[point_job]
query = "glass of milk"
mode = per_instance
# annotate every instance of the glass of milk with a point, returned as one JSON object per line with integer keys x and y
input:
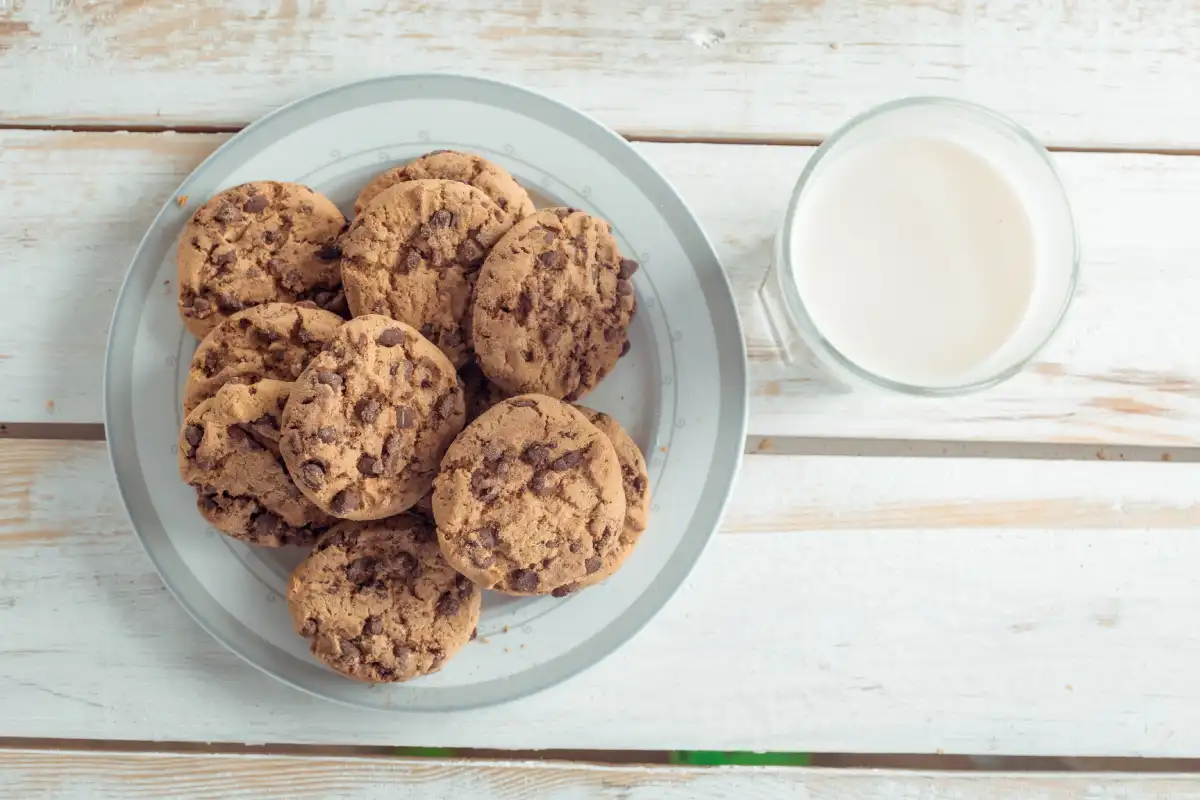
{"x": 928, "y": 248}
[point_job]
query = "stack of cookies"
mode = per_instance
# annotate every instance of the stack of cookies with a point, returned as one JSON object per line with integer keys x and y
{"x": 427, "y": 447}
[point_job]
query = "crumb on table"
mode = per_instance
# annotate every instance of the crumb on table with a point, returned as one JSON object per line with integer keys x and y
{"x": 181, "y": 200}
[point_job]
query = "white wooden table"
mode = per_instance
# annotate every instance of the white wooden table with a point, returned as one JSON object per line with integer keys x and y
{"x": 1013, "y": 572}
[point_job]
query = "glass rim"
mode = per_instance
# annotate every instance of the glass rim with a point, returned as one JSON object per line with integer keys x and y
{"x": 796, "y": 308}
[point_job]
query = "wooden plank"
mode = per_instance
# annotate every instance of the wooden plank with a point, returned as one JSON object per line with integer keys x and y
{"x": 849, "y": 605}
{"x": 1123, "y": 371}
{"x": 36, "y": 774}
{"x": 1096, "y": 73}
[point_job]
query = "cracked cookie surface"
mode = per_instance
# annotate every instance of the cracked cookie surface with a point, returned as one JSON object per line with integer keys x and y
{"x": 635, "y": 482}
{"x": 451, "y": 165}
{"x": 529, "y": 499}
{"x": 414, "y": 254}
{"x": 257, "y": 243}
{"x": 377, "y": 601}
{"x": 369, "y": 419}
{"x": 553, "y": 304}
{"x": 274, "y": 340}
{"x": 229, "y": 452}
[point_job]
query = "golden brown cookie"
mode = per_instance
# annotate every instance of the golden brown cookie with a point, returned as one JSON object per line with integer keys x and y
{"x": 260, "y": 242}
{"x": 369, "y": 419}
{"x": 274, "y": 340}
{"x": 451, "y": 165}
{"x": 229, "y": 451}
{"x": 552, "y": 305}
{"x": 377, "y": 602}
{"x": 414, "y": 253}
{"x": 635, "y": 480}
{"x": 529, "y": 499}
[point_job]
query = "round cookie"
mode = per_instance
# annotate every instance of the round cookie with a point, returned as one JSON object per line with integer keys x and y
{"x": 377, "y": 602}
{"x": 451, "y": 165}
{"x": 257, "y": 243}
{"x": 529, "y": 499}
{"x": 552, "y": 305}
{"x": 413, "y": 255}
{"x": 274, "y": 340}
{"x": 229, "y": 451}
{"x": 369, "y": 419}
{"x": 635, "y": 480}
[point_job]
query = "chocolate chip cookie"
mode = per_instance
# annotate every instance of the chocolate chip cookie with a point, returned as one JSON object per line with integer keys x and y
{"x": 451, "y": 165}
{"x": 229, "y": 451}
{"x": 635, "y": 481}
{"x": 274, "y": 340}
{"x": 553, "y": 304}
{"x": 257, "y": 243}
{"x": 413, "y": 255}
{"x": 529, "y": 499}
{"x": 378, "y": 602}
{"x": 369, "y": 419}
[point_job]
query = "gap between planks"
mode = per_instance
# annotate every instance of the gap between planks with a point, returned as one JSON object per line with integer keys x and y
{"x": 840, "y": 761}
{"x": 652, "y": 137}
{"x": 788, "y": 446}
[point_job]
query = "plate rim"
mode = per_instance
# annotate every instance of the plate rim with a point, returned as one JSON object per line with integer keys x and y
{"x": 731, "y": 424}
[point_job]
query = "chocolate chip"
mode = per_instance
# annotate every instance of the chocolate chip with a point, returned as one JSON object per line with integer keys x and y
{"x": 576, "y": 545}
{"x": 483, "y": 487}
{"x": 333, "y": 302}
{"x": 207, "y": 501}
{"x": 488, "y": 535}
{"x": 446, "y": 406}
{"x": 523, "y": 580}
{"x": 624, "y": 287}
{"x": 228, "y": 303}
{"x": 566, "y": 461}
{"x": 392, "y": 447}
{"x": 553, "y": 259}
{"x": 452, "y": 338}
{"x": 469, "y": 252}
{"x": 447, "y": 605}
{"x": 539, "y": 485}
{"x": 625, "y": 347}
{"x": 405, "y": 418}
{"x": 340, "y": 539}
{"x": 475, "y": 631}
{"x": 464, "y": 586}
{"x": 227, "y": 214}
{"x": 440, "y": 218}
{"x": 266, "y": 525}
{"x": 593, "y": 564}
{"x": 402, "y": 654}
{"x": 522, "y": 403}
{"x": 563, "y": 213}
{"x": 367, "y": 410}
{"x": 405, "y": 565}
{"x": 407, "y": 261}
{"x": 369, "y": 465}
{"x": 628, "y": 267}
{"x": 524, "y": 306}
{"x": 362, "y": 570}
{"x": 201, "y": 306}
{"x": 392, "y": 337}
{"x": 551, "y": 336}
{"x": 536, "y": 455}
{"x": 269, "y": 237}
{"x": 639, "y": 484}
{"x": 313, "y": 474}
{"x": 327, "y": 434}
{"x": 226, "y": 258}
{"x": 193, "y": 434}
{"x": 563, "y": 591}
{"x": 309, "y": 628}
{"x": 329, "y": 252}
{"x": 372, "y": 626}
{"x": 481, "y": 558}
{"x": 345, "y": 501}
{"x": 350, "y": 651}
{"x": 255, "y": 204}
{"x": 331, "y": 379}
{"x": 503, "y": 203}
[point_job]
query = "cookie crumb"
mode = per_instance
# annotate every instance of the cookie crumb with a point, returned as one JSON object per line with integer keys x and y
{"x": 663, "y": 449}
{"x": 181, "y": 201}
{"x": 484, "y": 639}
{"x": 506, "y": 629}
{"x": 507, "y": 650}
{"x": 50, "y": 406}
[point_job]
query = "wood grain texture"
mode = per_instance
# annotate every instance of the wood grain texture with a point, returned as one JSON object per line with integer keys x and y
{"x": 849, "y": 605}
{"x": 1103, "y": 72}
{"x": 34, "y": 774}
{"x": 1125, "y": 369}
